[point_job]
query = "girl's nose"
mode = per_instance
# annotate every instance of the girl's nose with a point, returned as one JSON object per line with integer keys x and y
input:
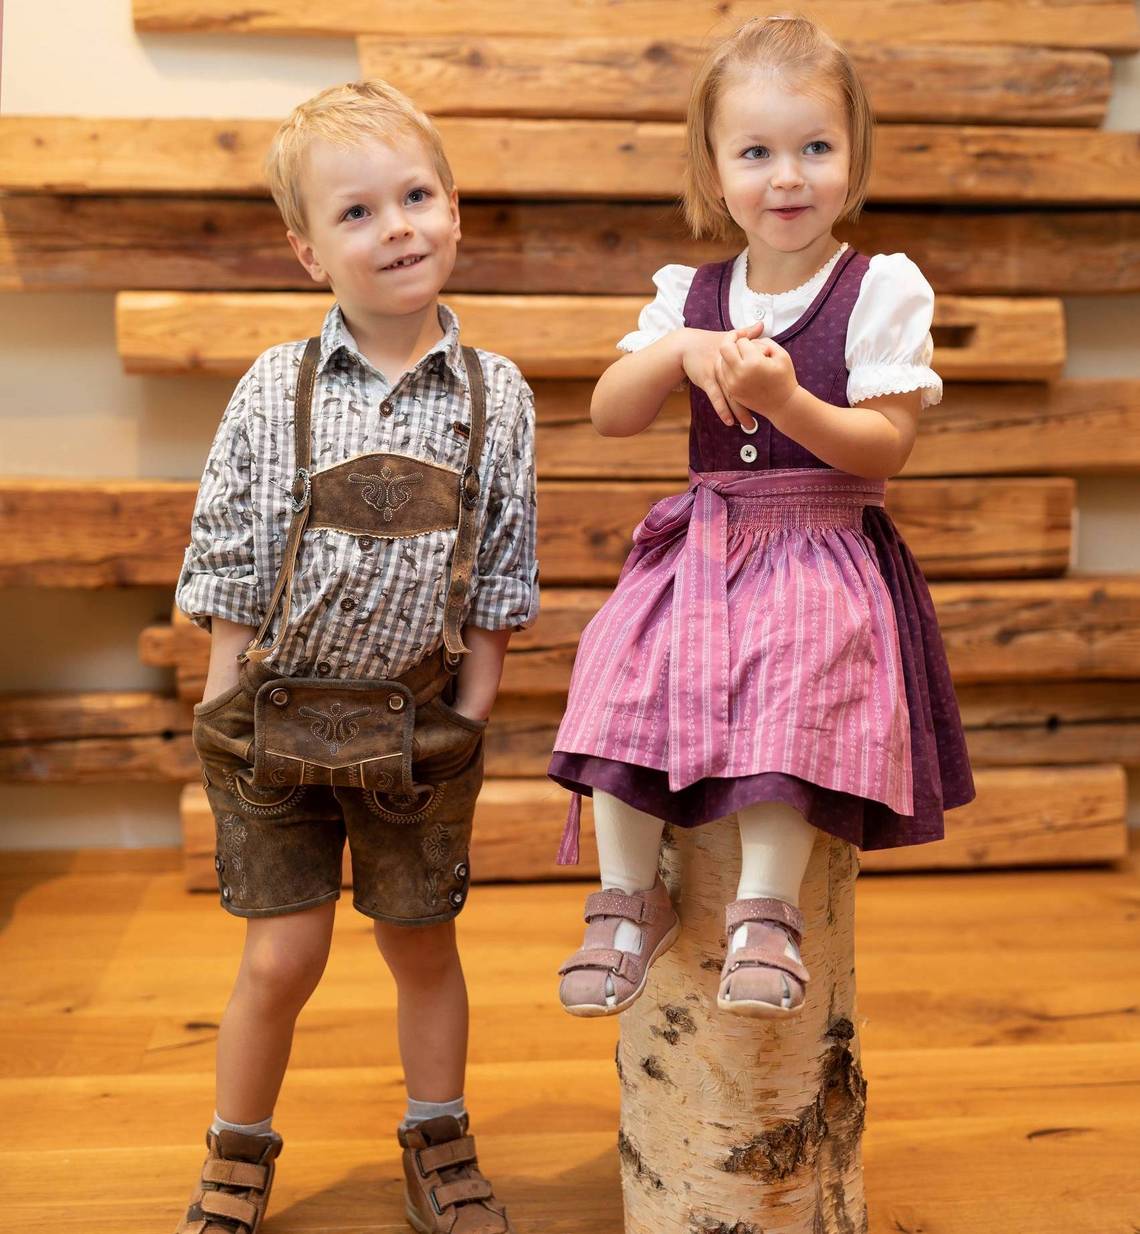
{"x": 787, "y": 174}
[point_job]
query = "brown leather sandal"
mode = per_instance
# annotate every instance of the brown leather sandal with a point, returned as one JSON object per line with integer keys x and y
{"x": 585, "y": 974}
{"x": 233, "y": 1192}
{"x": 444, "y": 1192}
{"x": 760, "y": 979}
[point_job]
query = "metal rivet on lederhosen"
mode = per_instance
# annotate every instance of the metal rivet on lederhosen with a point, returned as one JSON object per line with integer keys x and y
{"x": 279, "y": 698}
{"x": 395, "y": 702}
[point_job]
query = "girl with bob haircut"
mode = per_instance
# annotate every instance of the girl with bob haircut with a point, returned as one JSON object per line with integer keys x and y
{"x": 771, "y": 650}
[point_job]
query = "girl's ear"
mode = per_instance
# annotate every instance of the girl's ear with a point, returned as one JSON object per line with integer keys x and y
{"x": 307, "y": 256}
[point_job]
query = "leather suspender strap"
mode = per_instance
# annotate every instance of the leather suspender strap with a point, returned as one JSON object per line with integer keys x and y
{"x": 463, "y": 558}
{"x": 300, "y": 496}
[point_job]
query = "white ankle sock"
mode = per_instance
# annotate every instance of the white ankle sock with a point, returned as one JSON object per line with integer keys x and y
{"x": 420, "y": 1111}
{"x": 776, "y": 842}
{"x": 262, "y": 1128}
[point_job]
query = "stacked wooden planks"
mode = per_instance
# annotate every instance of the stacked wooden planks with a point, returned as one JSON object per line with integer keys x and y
{"x": 992, "y": 172}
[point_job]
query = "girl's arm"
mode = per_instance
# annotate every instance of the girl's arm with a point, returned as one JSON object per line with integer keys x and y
{"x": 872, "y": 439}
{"x": 631, "y": 392}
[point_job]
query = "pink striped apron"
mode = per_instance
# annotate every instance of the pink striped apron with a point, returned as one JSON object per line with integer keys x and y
{"x": 750, "y": 631}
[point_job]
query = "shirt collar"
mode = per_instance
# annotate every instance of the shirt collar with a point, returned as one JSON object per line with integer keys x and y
{"x": 336, "y": 337}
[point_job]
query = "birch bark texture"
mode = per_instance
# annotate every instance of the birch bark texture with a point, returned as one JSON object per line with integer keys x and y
{"x": 733, "y": 1125}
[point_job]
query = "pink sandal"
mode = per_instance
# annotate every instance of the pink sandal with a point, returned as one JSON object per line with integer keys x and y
{"x": 586, "y": 974}
{"x": 760, "y": 979}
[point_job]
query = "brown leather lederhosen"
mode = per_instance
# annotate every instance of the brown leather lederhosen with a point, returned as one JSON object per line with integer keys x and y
{"x": 415, "y": 762}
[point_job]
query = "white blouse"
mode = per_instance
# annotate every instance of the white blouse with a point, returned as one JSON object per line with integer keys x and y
{"x": 889, "y": 347}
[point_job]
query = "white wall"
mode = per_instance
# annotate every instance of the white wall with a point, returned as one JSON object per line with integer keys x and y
{"x": 73, "y": 57}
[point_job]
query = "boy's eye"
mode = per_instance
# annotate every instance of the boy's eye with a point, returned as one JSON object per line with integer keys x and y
{"x": 416, "y": 196}
{"x": 818, "y": 147}
{"x": 354, "y": 212}
{"x": 755, "y": 152}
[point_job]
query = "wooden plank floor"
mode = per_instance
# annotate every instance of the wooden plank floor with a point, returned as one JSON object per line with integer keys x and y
{"x": 1001, "y": 1041}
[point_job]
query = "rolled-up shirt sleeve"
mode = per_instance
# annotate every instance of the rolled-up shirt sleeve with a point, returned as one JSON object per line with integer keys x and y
{"x": 219, "y": 576}
{"x": 506, "y": 575}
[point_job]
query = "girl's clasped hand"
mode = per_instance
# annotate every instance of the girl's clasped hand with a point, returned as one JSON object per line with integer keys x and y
{"x": 744, "y": 374}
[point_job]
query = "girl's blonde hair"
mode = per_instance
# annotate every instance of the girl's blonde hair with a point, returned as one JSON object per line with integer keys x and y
{"x": 344, "y": 116}
{"x": 796, "y": 50}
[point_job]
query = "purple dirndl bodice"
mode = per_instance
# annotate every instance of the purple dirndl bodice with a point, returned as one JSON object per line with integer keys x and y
{"x": 678, "y": 722}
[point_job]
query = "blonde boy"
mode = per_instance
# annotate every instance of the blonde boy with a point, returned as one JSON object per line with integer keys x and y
{"x": 360, "y": 581}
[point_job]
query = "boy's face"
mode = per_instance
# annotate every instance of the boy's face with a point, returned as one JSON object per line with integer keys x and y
{"x": 381, "y": 229}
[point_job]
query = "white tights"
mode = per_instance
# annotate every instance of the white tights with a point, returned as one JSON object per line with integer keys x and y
{"x": 775, "y": 845}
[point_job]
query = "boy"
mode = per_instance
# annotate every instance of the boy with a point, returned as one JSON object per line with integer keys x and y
{"x": 369, "y": 504}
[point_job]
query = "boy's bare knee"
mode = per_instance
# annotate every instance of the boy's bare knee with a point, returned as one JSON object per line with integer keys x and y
{"x": 284, "y": 959}
{"x": 421, "y": 954}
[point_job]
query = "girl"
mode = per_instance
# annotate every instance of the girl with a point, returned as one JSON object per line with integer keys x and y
{"x": 771, "y": 650}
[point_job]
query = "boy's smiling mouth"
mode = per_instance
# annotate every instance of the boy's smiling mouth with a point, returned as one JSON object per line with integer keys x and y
{"x": 402, "y": 263}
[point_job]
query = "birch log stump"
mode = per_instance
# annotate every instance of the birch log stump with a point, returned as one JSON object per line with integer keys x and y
{"x": 731, "y": 1125}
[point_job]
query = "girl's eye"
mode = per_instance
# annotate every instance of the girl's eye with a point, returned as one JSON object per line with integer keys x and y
{"x": 755, "y": 152}
{"x": 355, "y": 212}
{"x": 416, "y": 196}
{"x": 818, "y": 147}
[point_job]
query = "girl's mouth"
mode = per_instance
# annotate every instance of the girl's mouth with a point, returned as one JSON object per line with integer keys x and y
{"x": 790, "y": 212}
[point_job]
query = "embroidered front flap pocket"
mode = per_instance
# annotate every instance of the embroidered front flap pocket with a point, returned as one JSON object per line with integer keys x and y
{"x": 350, "y": 734}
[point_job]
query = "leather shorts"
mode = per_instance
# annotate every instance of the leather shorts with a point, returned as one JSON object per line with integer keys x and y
{"x": 279, "y": 850}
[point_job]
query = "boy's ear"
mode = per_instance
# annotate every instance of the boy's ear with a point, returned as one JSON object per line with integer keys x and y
{"x": 454, "y": 202}
{"x": 307, "y": 256}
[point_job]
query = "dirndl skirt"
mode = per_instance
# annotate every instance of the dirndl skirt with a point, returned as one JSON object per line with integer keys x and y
{"x": 770, "y": 638}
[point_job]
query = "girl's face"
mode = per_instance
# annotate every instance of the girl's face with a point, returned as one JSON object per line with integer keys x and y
{"x": 782, "y": 158}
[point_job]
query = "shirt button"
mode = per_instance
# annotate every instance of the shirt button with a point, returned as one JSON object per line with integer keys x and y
{"x": 324, "y": 668}
{"x": 364, "y": 542}
{"x": 748, "y": 453}
{"x": 385, "y": 408}
{"x": 347, "y": 604}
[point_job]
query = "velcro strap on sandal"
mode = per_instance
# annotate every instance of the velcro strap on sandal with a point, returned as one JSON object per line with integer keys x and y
{"x": 766, "y": 957}
{"x": 440, "y": 1156}
{"x": 614, "y": 903}
{"x": 222, "y": 1204}
{"x": 461, "y": 1192}
{"x": 235, "y": 1173}
{"x": 779, "y": 912}
{"x": 622, "y": 963}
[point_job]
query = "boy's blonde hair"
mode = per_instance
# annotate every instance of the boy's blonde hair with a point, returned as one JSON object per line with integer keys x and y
{"x": 797, "y": 51}
{"x": 344, "y": 116}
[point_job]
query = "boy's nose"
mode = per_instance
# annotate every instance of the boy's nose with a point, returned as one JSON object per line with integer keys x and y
{"x": 396, "y": 226}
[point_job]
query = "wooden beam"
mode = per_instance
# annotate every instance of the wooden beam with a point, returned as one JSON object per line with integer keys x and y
{"x": 956, "y": 528}
{"x": 1039, "y": 816}
{"x": 1110, "y": 25}
{"x": 976, "y": 339}
{"x": 113, "y": 736}
{"x": 611, "y": 248}
{"x": 645, "y": 77}
{"x": 1027, "y": 724}
{"x": 95, "y": 737}
{"x": 633, "y": 160}
{"x": 1080, "y": 427}
{"x": 1032, "y": 633}
{"x": 91, "y": 534}
{"x": 1059, "y": 629}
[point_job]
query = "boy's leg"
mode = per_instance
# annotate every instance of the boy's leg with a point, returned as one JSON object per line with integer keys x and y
{"x": 281, "y": 964}
{"x": 432, "y": 1007}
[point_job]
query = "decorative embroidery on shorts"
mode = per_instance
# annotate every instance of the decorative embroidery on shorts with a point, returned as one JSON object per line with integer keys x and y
{"x": 336, "y": 727}
{"x": 387, "y": 492}
{"x": 405, "y": 810}
{"x": 265, "y": 805}
{"x": 436, "y": 845}
{"x": 231, "y": 840}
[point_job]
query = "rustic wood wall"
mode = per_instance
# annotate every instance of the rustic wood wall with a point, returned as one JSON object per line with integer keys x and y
{"x": 564, "y": 127}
